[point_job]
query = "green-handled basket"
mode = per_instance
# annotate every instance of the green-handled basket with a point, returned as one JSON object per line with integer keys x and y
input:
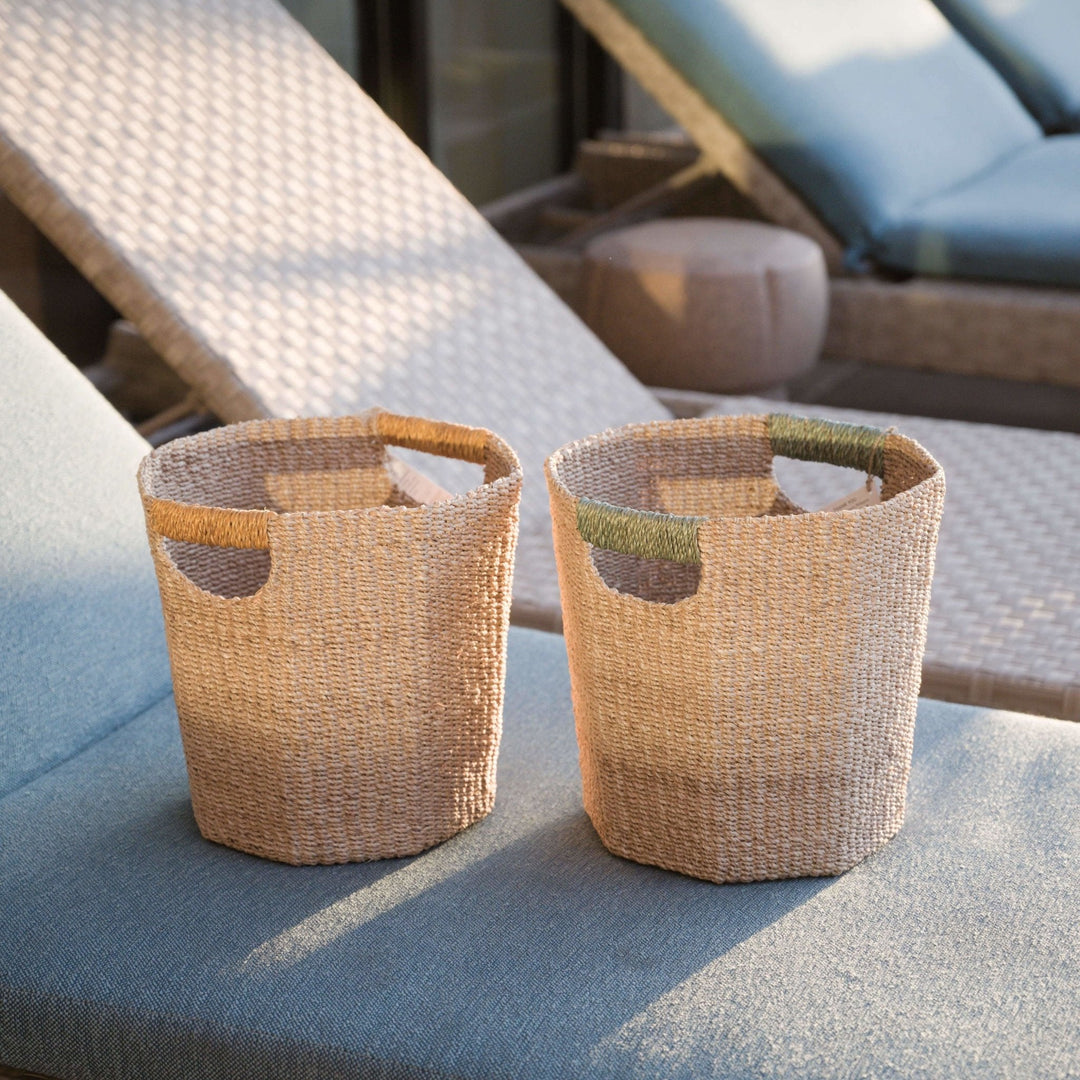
{"x": 745, "y": 673}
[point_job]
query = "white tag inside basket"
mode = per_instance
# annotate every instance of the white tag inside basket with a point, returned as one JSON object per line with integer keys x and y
{"x": 866, "y": 494}
{"x": 414, "y": 483}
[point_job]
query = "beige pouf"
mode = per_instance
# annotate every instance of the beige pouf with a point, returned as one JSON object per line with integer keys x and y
{"x": 708, "y": 303}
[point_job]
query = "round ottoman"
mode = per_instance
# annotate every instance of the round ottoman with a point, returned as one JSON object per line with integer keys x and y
{"x": 708, "y": 303}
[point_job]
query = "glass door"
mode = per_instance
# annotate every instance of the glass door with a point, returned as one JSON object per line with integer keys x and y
{"x": 497, "y": 92}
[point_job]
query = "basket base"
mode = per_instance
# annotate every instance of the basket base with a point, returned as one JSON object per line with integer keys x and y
{"x": 721, "y": 872}
{"x": 306, "y": 849}
{"x": 740, "y": 831}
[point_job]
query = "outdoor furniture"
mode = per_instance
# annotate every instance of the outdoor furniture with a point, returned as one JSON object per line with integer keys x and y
{"x": 131, "y": 949}
{"x": 288, "y": 251}
{"x": 82, "y": 648}
{"x": 706, "y": 304}
{"x": 949, "y": 221}
{"x": 1034, "y": 47}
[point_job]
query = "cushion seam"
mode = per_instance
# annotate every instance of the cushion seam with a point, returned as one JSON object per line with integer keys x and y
{"x": 34, "y": 777}
{"x": 885, "y": 227}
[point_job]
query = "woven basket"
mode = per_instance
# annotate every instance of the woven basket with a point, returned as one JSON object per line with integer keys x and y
{"x": 745, "y": 674}
{"x": 338, "y": 650}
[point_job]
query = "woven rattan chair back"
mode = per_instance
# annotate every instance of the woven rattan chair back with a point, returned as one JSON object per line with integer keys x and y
{"x": 279, "y": 241}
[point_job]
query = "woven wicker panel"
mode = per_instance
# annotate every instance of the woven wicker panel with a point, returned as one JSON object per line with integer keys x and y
{"x": 278, "y": 240}
{"x": 1005, "y": 608}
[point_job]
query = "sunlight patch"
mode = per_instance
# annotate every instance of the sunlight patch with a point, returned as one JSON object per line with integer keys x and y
{"x": 398, "y": 887}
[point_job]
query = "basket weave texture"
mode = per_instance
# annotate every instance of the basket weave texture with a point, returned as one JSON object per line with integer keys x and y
{"x": 338, "y": 650}
{"x": 745, "y": 673}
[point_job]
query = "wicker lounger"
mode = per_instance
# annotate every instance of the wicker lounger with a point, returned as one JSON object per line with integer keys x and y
{"x": 289, "y": 252}
{"x": 990, "y": 328}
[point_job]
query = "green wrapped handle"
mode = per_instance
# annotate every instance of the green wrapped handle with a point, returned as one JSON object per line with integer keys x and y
{"x": 651, "y": 535}
{"x": 644, "y": 533}
{"x": 851, "y": 445}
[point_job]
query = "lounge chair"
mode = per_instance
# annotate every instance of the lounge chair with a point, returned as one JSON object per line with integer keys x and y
{"x": 1034, "y": 46}
{"x": 287, "y": 250}
{"x": 131, "y": 949}
{"x": 951, "y": 223}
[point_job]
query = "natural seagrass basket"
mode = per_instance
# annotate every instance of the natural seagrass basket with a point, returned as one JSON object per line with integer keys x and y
{"x": 745, "y": 673}
{"x": 338, "y": 649}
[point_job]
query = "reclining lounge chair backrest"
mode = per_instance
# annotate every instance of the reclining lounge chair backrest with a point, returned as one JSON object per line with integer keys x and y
{"x": 1035, "y": 45}
{"x": 275, "y": 237}
{"x": 865, "y": 107}
{"x": 82, "y": 649}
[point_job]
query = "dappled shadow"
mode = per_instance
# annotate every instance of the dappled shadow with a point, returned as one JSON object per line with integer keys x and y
{"x": 550, "y": 929}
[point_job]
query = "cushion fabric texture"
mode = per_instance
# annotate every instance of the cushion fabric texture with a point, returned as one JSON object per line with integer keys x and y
{"x": 82, "y": 648}
{"x": 131, "y": 947}
{"x": 1034, "y": 45}
{"x": 1020, "y": 221}
{"x": 864, "y": 106}
{"x": 893, "y": 128}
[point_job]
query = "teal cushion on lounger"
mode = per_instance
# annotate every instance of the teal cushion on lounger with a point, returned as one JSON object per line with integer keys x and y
{"x": 1018, "y": 222}
{"x": 81, "y": 642}
{"x": 864, "y": 106}
{"x": 131, "y": 948}
{"x": 1035, "y": 45}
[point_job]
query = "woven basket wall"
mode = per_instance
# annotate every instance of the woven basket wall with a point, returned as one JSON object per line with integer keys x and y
{"x": 338, "y": 651}
{"x": 745, "y": 674}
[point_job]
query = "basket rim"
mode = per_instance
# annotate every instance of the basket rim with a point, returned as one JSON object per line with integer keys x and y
{"x": 231, "y": 521}
{"x": 657, "y": 534}
{"x": 716, "y": 425}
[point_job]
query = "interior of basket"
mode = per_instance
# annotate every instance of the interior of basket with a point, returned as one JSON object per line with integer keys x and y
{"x": 703, "y": 474}
{"x": 716, "y": 468}
{"x": 342, "y": 472}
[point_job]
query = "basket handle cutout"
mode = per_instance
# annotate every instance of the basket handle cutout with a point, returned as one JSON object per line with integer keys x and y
{"x": 212, "y": 526}
{"x": 644, "y": 533}
{"x": 433, "y": 437}
{"x": 828, "y": 441}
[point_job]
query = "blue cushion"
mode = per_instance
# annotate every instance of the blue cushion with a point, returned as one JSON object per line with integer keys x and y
{"x": 1019, "y": 222}
{"x": 81, "y": 643}
{"x": 1035, "y": 45}
{"x": 130, "y": 947}
{"x": 864, "y": 106}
